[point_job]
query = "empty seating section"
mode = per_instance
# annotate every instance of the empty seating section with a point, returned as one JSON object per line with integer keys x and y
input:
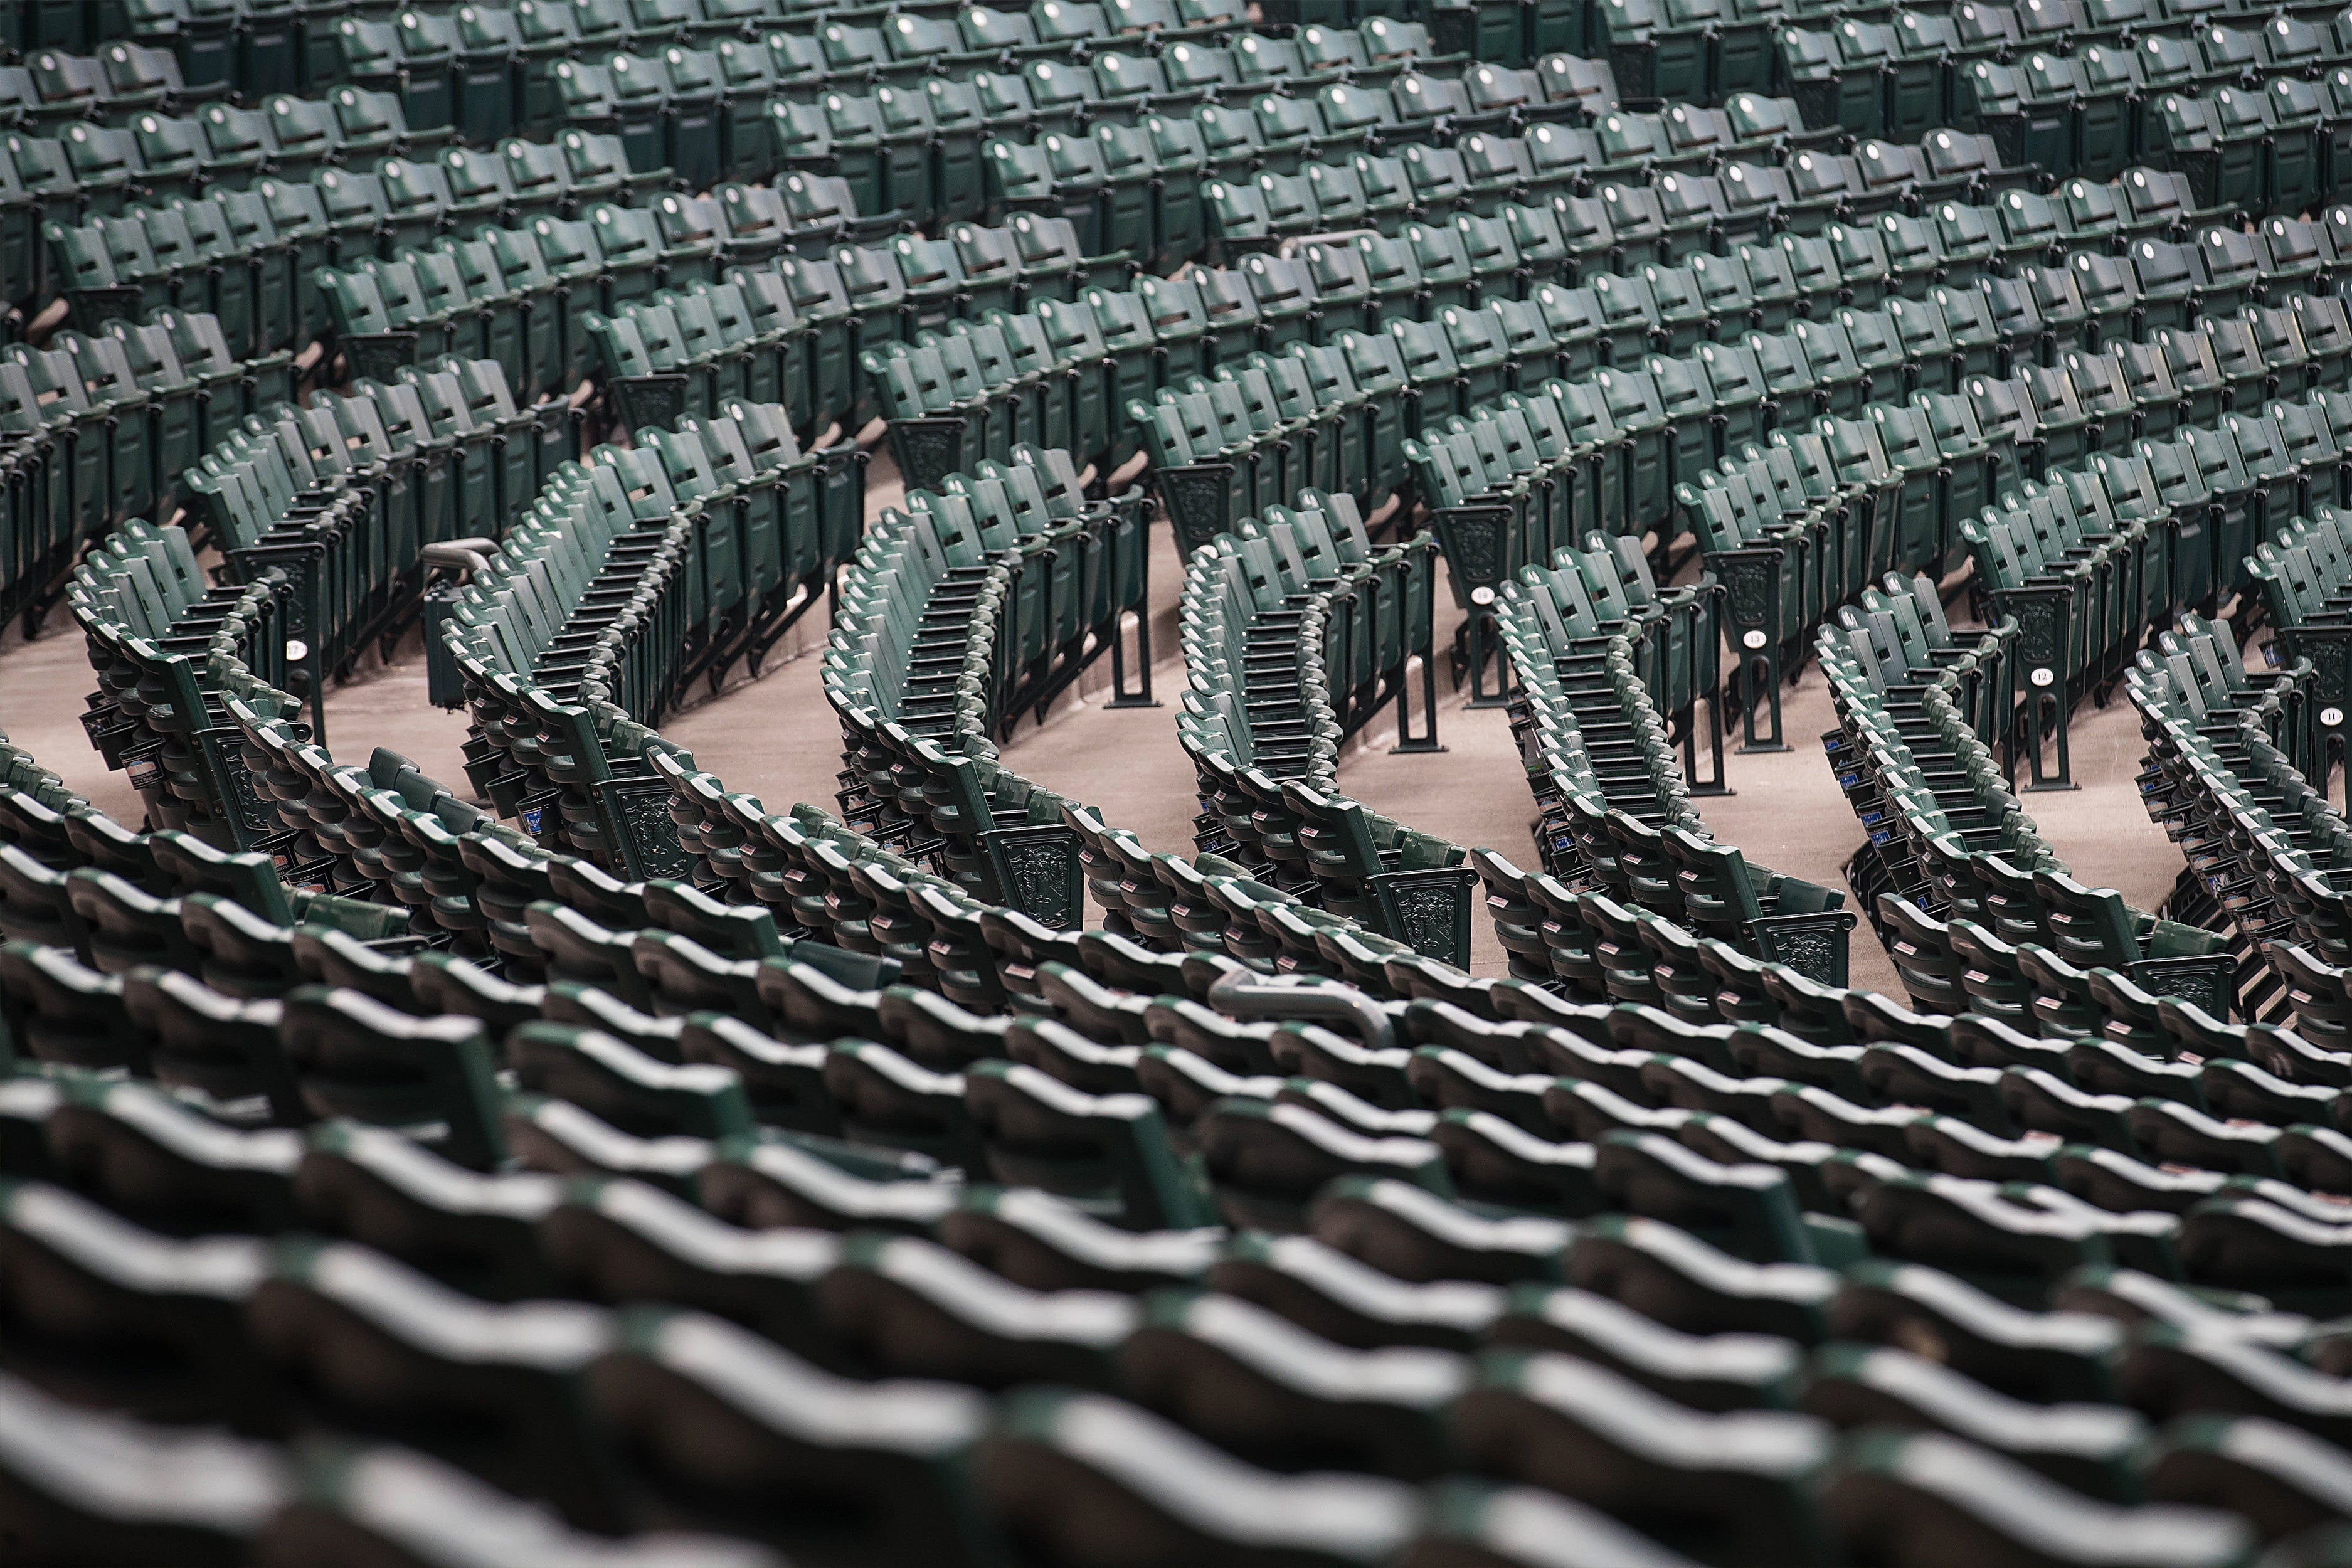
{"x": 272, "y": 258}
{"x": 2231, "y": 751}
{"x": 1422, "y": 1179}
{"x": 1927, "y": 393}
{"x": 981, "y": 601}
{"x": 2240, "y": 752}
{"x": 2236, "y": 100}
{"x": 1296, "y": 634}
{"x": 101, "y": 430}
{"x": 629, "y": 576}
{"x": 581, "y": 1162}
{"x": 1605, "y": 674}
{"x": 328, "y": 519}
{"x": 1976, "y": 908}
{"x": 2299, "y": 579}
{"x": 160, "y": 207}
{"x": 1918, "y": 307}
{"x": 1645, "y": 182}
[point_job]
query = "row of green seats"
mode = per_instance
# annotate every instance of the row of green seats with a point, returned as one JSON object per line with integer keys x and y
{"x": 1462, "y": 356}
{"x": 913, "y": 154}
{"x": 239, "y": 948}
{"x": 1337, "y": 619}
{"x": 347, "y": 498}
{"x": 1920, "y": 713}
{"x": 746, "y": 223}
{"x": 1705, "y": 50}
{"x": 491, "y": 63}
{"x": 1698, "y": 50}
{"x": 742, "y": 106}
{"x": 981, "y": 602}
{"x": 542, "y": 639}
{"x": 2234, "y": 749}
{"x": 103, "y": 427}
{"x": 1579, "y": 632}
{"x": 1679, "y": 171}
{"x": 223, "y": 48}
{"x": 2091, "y": 557}
{"x": 1019, "y": 533}
{"x": 53, "y": 88}
{"x": 253, "y": 255}
{"x": 161, "y": 714}
{"x": 2104, "y": 357}
{"x": 542, "y": 300}
{"x": 828, "y": 334}
{"x": 285, "y": 137}
{"x": 632, "y": 576}
{"x": 2082, "y": 87}
{"x": 1296, "y": 634}
{"x": 2296, "y": 580}
{"x": 941, "y": 153}
{"x": 1232, "y": 921}
{"x": 1605, "y": 676}
{"x": 537, "y": 68}
{"x": 1323, "y": 289}
{"x": 1925, "y": 763}
{"x": 87, "y": 171}
{"x": 2246, "y": 756}
{"x": 1780, "y": 573}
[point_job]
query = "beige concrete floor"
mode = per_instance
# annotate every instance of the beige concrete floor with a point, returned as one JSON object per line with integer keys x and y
{"x": 42, "y": 684}
{"x": 775, "y": 737}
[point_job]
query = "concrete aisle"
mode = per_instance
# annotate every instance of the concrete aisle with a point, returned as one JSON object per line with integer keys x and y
{"x": 42, "y": 684}
{"x": 2101, "y": 830}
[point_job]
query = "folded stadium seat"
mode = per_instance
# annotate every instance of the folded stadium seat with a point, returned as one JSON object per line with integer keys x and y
{"x": 65, "y": 1012}
{"x": 1266, "y": 1160}
{"x": 199, "y": 1366}
{"x": 2109, "y": 110}
{"x": 378, "y": 1188}
{"x": 168, "y": 1168}
{"x": 346, "y": 1296}
{"x": 79, "y": 1507}
{"x": 208, "y": 1046}
{"x": 353, "y": 1057}
{"x": 625, "y": 1088}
